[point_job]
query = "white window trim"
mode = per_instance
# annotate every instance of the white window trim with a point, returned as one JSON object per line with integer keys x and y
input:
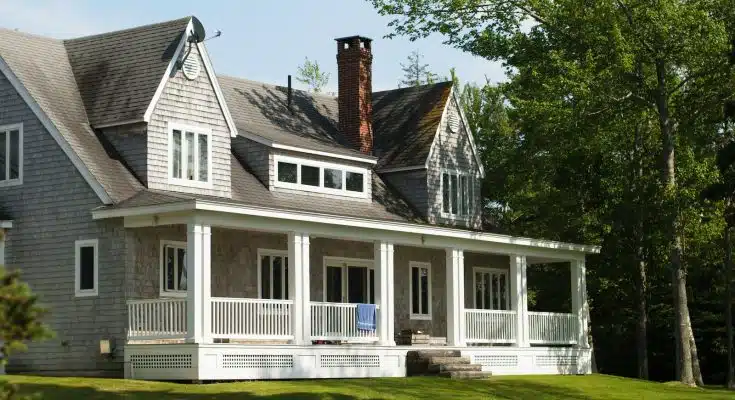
{"x": 162, "y": 264}
{"x": 472, "y": 179}
{"x": 321, "y": 165}
{"x": 273, "y": 253}
{"x": 198, "y": 130}
{"x": 78, "y": 267}
{"x": 505, "y": 272}
{"x": 339, "y": 262}
{"x": 411, "y": 266}
{"x": 19, "y": 180}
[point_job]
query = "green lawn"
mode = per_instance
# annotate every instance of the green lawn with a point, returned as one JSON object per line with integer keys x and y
{"x": 526, "y": 387}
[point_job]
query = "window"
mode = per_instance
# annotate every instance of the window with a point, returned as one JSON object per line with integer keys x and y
{"x": 173, "y": 269}
{"x": 317, "y": 176}
{"x": 86, "y": 267}
{"x": 349, "y": 280}
{"x": 11, "y": 155}
{"x": 420, "y": 283}
{"x": 190, "y": 155}
{"x": 491, "y": 289}
{"x": 273, "y": 274}
{"x": 458, "y": 191}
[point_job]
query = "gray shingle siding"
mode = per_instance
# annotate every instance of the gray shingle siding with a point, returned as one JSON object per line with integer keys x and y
{"x": 452, "y": 150}
{"x": 412, "y": 186}
{"x": 130, "y": 142}
{"x": 194, "y": 103}
{"x": 257, "y": 156}
{"x": 50, "y": 211}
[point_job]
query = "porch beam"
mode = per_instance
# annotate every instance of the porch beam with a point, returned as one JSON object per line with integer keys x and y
{"x": 455, "y": 297}
{"x": 385, "y": 293}
{"x": 299, "y": 287}
{"x": 580, "y": 306}
{"x": 519, "y": 298}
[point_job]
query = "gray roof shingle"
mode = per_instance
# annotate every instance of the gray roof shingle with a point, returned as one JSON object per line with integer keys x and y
{"x": 118, "y": 72}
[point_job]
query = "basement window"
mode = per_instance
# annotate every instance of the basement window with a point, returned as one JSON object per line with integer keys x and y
{"x": 320, "y": 177}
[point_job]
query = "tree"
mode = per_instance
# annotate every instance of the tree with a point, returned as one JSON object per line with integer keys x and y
{"x": 415, "y": 73}
{"x": 20, "y": 321}
{"x": 310, "y": 74}
{"x": 582, "y": 74}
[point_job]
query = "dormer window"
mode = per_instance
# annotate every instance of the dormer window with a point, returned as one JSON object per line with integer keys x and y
{"x": 457, "y": 193}
{"x": 320, "y": 177}
{"x": 190, "y": 155}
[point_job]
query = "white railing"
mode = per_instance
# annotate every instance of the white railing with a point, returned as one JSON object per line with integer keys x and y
{"x": 552, "y": 328}
{"x": 157, "y": 319}
{"x": 490, "y": 326}
{"x": 251, "y": 318}
{"x": 338, "y": 322}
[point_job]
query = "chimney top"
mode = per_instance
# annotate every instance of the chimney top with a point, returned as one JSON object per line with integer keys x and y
{"x": 348, "y": 41}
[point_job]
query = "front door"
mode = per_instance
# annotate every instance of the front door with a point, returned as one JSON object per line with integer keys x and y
{"x": 349, "y": 282}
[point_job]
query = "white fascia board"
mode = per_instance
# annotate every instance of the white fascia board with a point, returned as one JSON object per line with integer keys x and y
{"x": 169, "y": 70}
{"x": 6, "y": 224}
{"x": 272, "y": 144}
{"x": 217, "y": 89}
{"x": 58, "y": 137}
{"x": 401, "y": 227}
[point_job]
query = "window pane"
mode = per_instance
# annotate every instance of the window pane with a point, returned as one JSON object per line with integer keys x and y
{"x": 3, "y": 143}
{"x": 355, "y": 181}
{"x": 286, "y": 172}
{"x": 86, "y": 268}
{"x": 424, "y": 291}
{"x": 177, "y": 154}
{"x": 265, "y": 277}
{"x": 285, "y": 277}
{"x": 478, "y": 290}
{"x": 190, "y": 159}
{"x": 486, "y": 291}
{"x": 332, "y": 178}
{"x": 445, "y": 193}
{"x": 14, "y": 154}
{"x": 277, "y": 278}
{"x": 463, "y": 194}
{"x": 503, "y": 292}
{"x": 181, "y": 279}
{"x": 415, "y": 290}
{"x": 170, "y": 267}
{"x": 453, "y": 185}
{"x": 309, "y": 175}
{"x": 334, "y": 284}
{"x": 203, "y": 158}
{"x": 371, "y": 287}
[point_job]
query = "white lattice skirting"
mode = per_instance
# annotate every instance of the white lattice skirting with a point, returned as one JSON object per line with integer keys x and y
{"x": 235, "y": 362}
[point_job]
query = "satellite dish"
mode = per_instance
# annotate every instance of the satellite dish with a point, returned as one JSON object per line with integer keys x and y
{"x": 198, "y": 33}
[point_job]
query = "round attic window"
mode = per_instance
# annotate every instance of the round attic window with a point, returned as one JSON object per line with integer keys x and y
{"x": 191, "y": 67}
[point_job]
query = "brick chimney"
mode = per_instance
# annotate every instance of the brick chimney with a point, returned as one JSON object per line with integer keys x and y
{"x": 354, "y": 70}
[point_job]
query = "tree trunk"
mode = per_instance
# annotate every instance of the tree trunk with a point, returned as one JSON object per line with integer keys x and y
{"x": 728, "y": 309}
{"x": 642, "y": 326}
{"x": 685, "y": 370}
{"x": 642, "y": 331}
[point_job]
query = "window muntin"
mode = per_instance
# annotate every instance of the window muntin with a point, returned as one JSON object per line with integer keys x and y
{"x": 321, "y": 177}
{"x": 420, "y": 288}
{"x": 492, "y": 289}
{"x": 11, "y": 154}
{"x": 273, "y": 274}
{"x": 173, "y": 268}
{"x": 86, "y": 267}
{"x": 458, "y": 190}
{"x": 190, "y": 155}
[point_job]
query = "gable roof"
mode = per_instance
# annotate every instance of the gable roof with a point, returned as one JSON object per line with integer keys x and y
{"x": 46, "y": 82}
{"x": 118, "y": 72}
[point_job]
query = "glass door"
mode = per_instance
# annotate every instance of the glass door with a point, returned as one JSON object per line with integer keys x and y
{"x": 349, "y": 282}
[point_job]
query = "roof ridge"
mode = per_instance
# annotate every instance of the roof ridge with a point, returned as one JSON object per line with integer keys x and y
{"x": 424, "y": 86}
{"x": 237, "y": 78}
{"x": 33, "y": 35}
{"x": 97, "y": 35}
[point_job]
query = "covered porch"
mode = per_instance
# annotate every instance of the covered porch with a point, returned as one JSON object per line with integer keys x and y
{"x": 255, "y": 302}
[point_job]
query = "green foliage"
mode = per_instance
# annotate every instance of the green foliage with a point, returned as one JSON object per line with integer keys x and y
{"x": 415, "y": 73}
{"x": 311, "y": 75}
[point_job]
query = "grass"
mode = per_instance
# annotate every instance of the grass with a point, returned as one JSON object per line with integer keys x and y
{"x": 593, "y": 387}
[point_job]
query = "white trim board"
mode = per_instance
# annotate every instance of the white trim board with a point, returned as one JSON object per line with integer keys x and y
{"x": 272, "y": 144}
{"x": 58, "y": 137}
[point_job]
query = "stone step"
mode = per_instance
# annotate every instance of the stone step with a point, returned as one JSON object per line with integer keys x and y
{"x": 466, "y": 374}
{"x": 426, "y": 354}
{"x": 454, "y": 367}
{"x": 449, "y": 360}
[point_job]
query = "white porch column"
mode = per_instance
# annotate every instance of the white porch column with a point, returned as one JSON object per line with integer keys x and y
{"x": 384, "y": 292}
{"x": 206, "y": 284}
{"x": 519, "y": 298}
{"x": 194, "y": 291}
{"x": 455, "y": 297}
{"x": 580, "y": 307}
{"x": 299, "y": 287}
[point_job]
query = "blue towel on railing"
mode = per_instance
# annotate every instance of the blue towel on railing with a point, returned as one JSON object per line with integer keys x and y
{"x": 366, "y": 317}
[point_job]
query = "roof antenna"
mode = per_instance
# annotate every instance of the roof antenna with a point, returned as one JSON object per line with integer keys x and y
{"x": 217, "y": 34}
{"x": 290, "y": 93}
